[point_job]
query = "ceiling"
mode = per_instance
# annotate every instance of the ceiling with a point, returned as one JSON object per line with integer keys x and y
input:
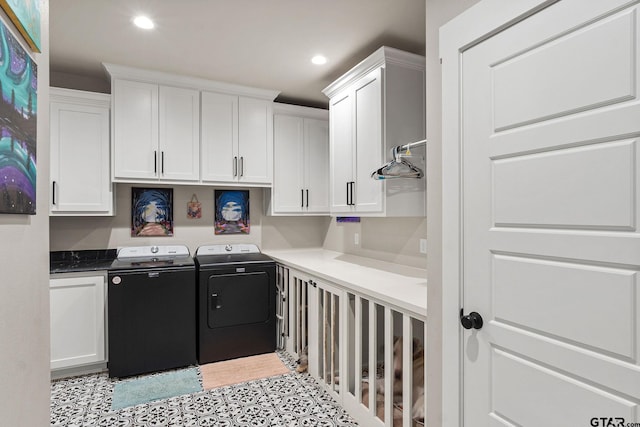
{"x": 260, "y": 43}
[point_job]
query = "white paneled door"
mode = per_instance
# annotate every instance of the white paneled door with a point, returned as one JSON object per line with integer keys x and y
{"x": 550, "y": 250}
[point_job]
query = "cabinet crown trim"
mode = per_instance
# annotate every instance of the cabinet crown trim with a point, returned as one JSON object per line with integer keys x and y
{"x": 160, "y": 77}
{"x": 79, "y": 97}
{"x": 381, "y": 57}
{"x": 297, "y": 110}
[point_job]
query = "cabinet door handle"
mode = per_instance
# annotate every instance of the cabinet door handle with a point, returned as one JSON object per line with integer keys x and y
{"x": 307, "y": 197}
{"x": 302, "y": 198}
{"x": 155, "y": 161}
{"x": 241, "y": 166}
{"x": 235, "y": 166}
{"x": 53, "y": 192}
{"x": 162, "y": 163}
{"x": 352, "y": 191}
{"x": 348, "y": 204}
{"x": 351, "y": 184}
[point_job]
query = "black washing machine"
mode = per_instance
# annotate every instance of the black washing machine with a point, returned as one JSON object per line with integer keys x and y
{"x": 236, "y": 302}
{"x": 152, "y": 310}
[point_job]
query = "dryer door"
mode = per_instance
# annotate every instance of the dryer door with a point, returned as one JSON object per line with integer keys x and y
{"x": 237, "y": 299}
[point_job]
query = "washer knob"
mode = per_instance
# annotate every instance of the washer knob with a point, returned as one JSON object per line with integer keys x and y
{"x": 154, "y": 249}
{"x": 228, "y": 248}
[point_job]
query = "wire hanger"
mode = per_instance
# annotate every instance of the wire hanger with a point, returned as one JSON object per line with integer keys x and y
{"x": 399, "y": 167}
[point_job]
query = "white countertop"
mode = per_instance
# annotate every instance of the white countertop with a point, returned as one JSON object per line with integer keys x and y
{"x": 402, "y": 286}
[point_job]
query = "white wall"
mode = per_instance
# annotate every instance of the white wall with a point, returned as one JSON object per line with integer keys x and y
{"x": 394, "y": 240}
{"x": 388, "y": 239}
{"x": 79, "y": 82}
{"x": 24, "y": 282}
{"x": 293, "y": 232}
{"x": 77, "y": 233}
{"x": 438, "y": 13}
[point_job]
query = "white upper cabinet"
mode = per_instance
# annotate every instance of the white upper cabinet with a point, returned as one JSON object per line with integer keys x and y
{"x": 255, "y": 140}
{"x": 179, "y": 135}
{"x": 316, "y": 164}
{"x": 342, "y": 158}
{"x": 301, "y": 161}
{"x": 179, "y": 129}
{"x": 135, "y": 130}
{"x": 80, "y": 181}
{"x": 288, "y": 176}
{"x": 356, "y": 123}
{"x": 219, "y": 137}
{"x": 374, "y": 107}
{"x": 156, "y": 131}
{"x": 237, "y": 141}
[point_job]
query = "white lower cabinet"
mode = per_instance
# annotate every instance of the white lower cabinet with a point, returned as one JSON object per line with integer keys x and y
{"x": 354, "y": 340}
{"x": 77, "y": 308}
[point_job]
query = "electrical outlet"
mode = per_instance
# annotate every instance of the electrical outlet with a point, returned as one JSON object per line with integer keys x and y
{"x": 423, "y": 246}
{"x": 356, "y": 239}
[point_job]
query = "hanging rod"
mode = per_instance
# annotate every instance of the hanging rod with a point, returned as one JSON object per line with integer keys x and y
{"x": 399, "y": 167}
{"x": 411, "y": 145}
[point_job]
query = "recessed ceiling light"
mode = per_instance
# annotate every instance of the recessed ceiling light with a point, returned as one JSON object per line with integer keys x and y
{"x": 143, "y": 22}
{"x": 319, "y": 60}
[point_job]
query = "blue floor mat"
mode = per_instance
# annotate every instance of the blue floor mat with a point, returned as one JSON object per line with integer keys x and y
{"x": 162, "y": 386}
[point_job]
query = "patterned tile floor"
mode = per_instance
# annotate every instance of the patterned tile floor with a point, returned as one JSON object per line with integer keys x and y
{"x": 285, "y": 401}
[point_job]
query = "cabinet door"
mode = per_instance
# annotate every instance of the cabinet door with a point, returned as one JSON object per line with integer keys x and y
{"x": 341, "y": 151}
{"x": 77, "y": 310}
{"x": 179, "y": 134}
{"x": 316, "y": 165}
{"x": 135, "y": 115}
{"x": 255, "y": 119}
{"x": 80, "y": 159}
{"x": 288, "y": 185}
{"x": 219, "y": 137}
{"x": 368, "y": 139}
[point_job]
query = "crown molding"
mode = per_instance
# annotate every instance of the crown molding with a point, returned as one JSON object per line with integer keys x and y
{"x": 188, "y": 82}
{"x": 74, "y": 96}
{"x": 380, "y": 58}
{"x": 298, "y": 110}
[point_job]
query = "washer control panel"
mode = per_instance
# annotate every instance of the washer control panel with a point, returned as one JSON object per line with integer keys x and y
{"x": 241, "y": 248}
{"x": 152, "y": 251}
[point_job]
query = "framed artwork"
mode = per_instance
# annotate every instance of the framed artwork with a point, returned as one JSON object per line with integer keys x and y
{"x": 151, "y": 212}
{"x": 18, "y": 124}
{"x": 25, "y": 15}
{"x": 231, "y": 212}
{"x": 194, "y": 208}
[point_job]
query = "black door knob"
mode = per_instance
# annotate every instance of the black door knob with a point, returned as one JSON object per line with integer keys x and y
{"x": 472, "y": 320}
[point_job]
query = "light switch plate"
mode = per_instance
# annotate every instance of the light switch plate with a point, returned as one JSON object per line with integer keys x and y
{"x": 423, "y": 246}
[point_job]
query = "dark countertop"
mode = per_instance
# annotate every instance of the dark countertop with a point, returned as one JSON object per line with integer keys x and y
{"x": 85, "y": 260}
